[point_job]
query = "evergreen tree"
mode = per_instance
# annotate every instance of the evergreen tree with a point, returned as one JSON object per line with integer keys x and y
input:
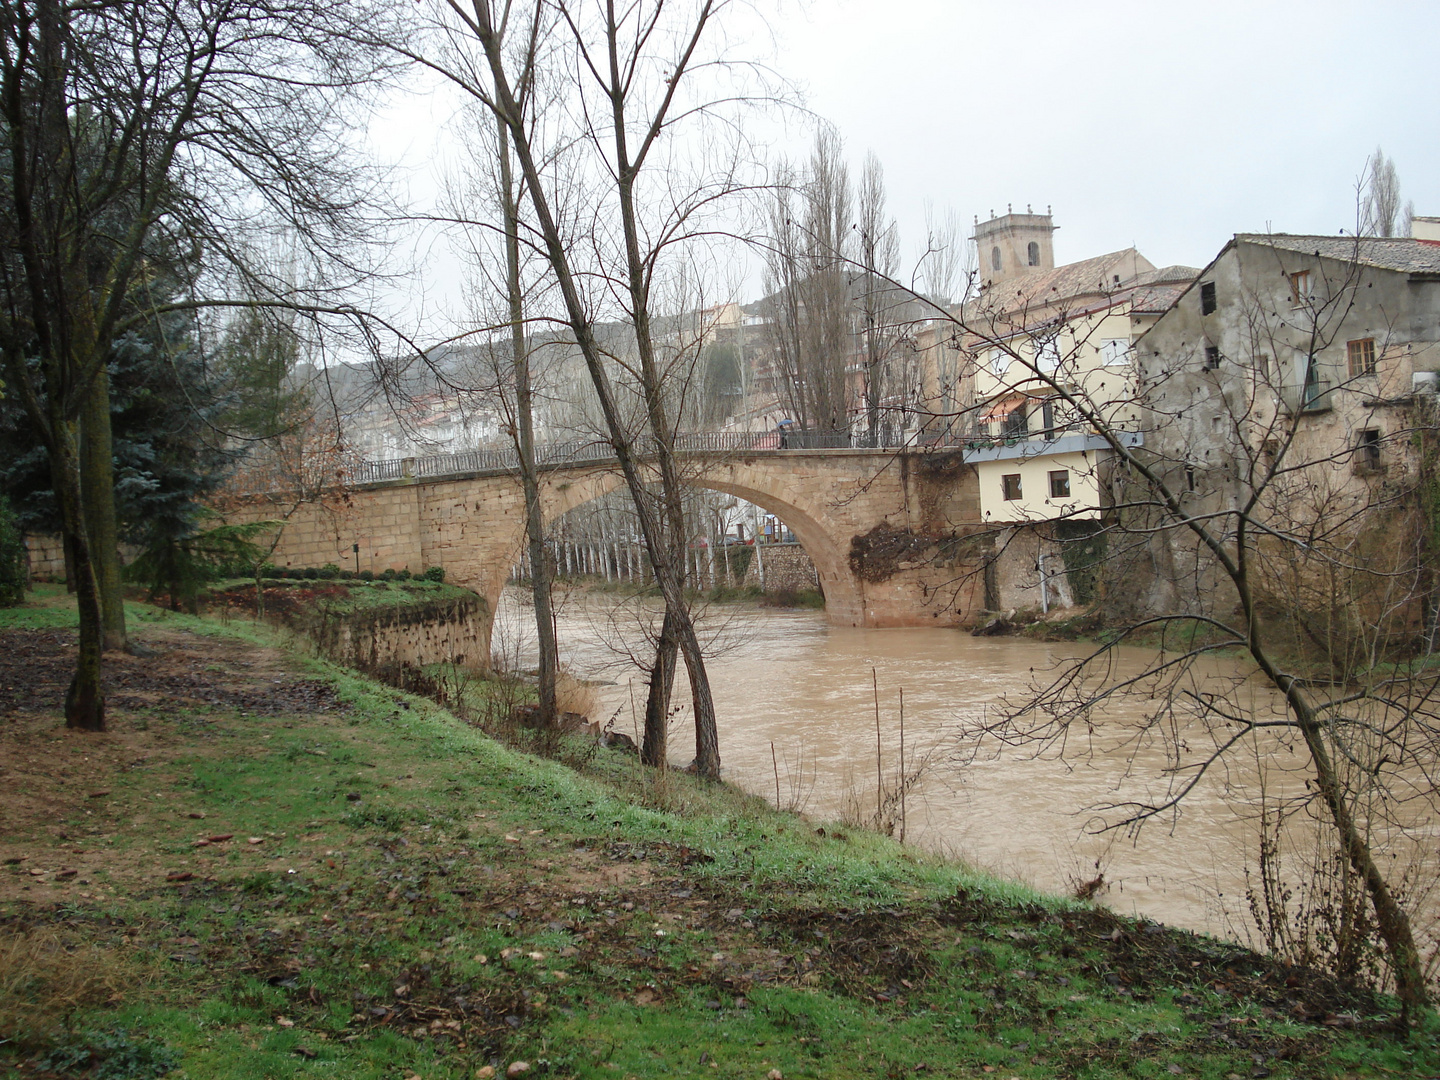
{"x": 13, "y": 575}
{"x": 168, "y": 449}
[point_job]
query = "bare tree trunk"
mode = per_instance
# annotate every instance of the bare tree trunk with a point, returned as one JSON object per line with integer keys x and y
{"x": 1390, "y": 917}
{"x": 84, "y": 700}
{"x": 657, "y": 702}
{"x": 525, "y": 445}
{"x": 97, "y": 486}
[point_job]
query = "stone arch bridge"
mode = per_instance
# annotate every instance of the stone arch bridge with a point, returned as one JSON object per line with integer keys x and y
{"x": 465, "y": 512}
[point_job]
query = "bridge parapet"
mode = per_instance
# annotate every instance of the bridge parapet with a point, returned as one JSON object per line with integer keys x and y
{"x": 569, "y": 453}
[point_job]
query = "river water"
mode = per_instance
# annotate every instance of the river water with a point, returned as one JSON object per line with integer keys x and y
{"x": 796, "y": 702}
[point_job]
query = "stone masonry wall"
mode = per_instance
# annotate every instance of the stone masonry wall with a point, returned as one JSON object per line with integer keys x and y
{"x": 456, "y": 631}
{"x": 46, "y": 556}
{"x": 787, "y": 566}
{"x": 383, "y": 520}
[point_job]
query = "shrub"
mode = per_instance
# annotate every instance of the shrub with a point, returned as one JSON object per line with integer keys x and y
{"x": 367, "y": 575}
{"x": 329, "y": 572}
{"x": 388, "y": 574}
{"x": 111, "y": 1055}
{"x": 270, "y": 570}
{"x": 310, "y": 573}
{"x": 403, "y": 575}
{"x": 347, "y": 575}
{"x": 435, "y": 573}
{"x": 181, "y": 564}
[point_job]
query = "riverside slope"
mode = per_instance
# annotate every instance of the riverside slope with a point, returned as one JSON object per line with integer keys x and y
{"x": 272, "y": 867}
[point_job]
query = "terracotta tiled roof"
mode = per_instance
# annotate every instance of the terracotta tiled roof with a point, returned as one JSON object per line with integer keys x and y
{"x": 1170, "y": 275}
{"x": 1078, "y": 280}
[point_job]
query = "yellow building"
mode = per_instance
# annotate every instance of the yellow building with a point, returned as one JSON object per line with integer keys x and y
{"x": 1023, "y": 374}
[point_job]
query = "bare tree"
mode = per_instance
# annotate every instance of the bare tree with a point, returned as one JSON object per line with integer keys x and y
{"x": 878, "y": 259}
{"x": 524, "y": 428}
{"x": 1380, "y": 203}
{"x": 493, "y": 186}
{"x": 808, "y": 272}
{"x": 607, "y": 206}
{"x": 1268, "y": 513}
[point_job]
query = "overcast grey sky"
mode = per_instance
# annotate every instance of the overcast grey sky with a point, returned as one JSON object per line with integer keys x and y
{"x": 1164, "y": 125}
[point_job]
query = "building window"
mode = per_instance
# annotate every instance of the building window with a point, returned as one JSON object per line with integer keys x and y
{"x": 1362, "y": 357}
{"x": 1312, "y": 386}
{"x": 1047, "y": 416}
{"x": 1032, "y": 253}
{"x": 1060, "y": 484}
{"x": 1212, "y": 358}
{"x": 1047, "y": 355}
{"x": 999, "y": 361}
{"x": 1207, "y": 297}
{"x": 1010, "y": 486}
{"x": 995, "y": 259}
{"x": 1016, "y": 423}
{"x": 1368, "y": 457}
{"x": 1300, "y": 286}
{"x": 1114, "y": 351}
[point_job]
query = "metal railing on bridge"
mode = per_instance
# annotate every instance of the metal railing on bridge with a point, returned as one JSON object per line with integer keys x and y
{"x": 551, "y": 455}
{"x": 588, "y": 451}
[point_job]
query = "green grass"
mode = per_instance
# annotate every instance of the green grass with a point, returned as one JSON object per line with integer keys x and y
{"x": 46, "y": 607}
{"x": 360, "y": 596}
{"x": 681, "y": 929}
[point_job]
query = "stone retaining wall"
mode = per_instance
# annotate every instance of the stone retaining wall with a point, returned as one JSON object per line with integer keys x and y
{"x": 450, "y": 631}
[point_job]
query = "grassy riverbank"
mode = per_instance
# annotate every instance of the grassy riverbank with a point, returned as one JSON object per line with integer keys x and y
{"x": 291, "y": 598}
{"x": 721, "y": 594}
{"x": 271, "y": 867}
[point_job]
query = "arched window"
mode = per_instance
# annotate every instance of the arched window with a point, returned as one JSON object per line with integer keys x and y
{"x": 1032, "y": 253}
{"x": 995, "y": 258}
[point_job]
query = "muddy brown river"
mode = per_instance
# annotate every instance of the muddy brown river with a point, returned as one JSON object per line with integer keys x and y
{"x": 796, "y": 702}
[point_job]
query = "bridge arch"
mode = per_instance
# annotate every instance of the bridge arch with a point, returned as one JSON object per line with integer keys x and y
{"x": 827, "y": 550}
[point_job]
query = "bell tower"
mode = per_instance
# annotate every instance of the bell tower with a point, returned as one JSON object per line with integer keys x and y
{"x": 1014, "y": 244}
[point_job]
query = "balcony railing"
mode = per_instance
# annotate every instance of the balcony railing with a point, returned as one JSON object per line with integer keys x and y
{"x": 1314, "y": 396}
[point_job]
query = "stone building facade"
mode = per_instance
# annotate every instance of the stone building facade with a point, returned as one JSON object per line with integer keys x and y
{"x": 1292, "y": 384}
